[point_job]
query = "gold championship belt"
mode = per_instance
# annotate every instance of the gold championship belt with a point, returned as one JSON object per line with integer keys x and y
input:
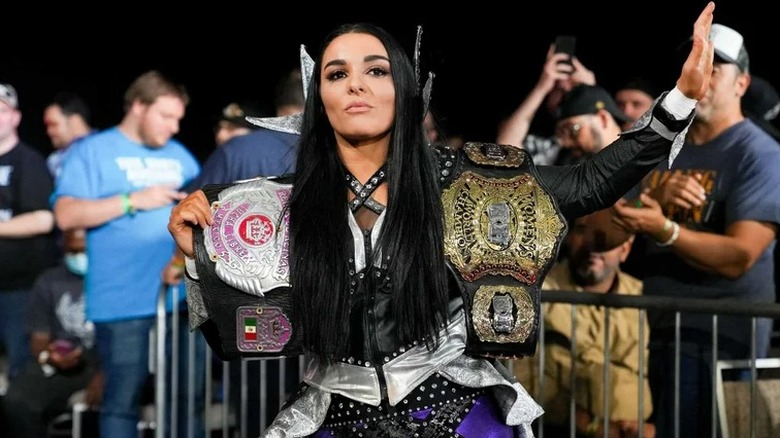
{"x": 243, "y": 270}
{"x": 502, "y": 233}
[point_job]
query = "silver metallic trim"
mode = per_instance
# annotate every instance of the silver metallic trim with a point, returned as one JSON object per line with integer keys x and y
{"x": 353, "y": 381}
{"x": 357, "y": 240}
{"x": 403, "y": 374}
{"x": 677, "y": 138}
{"x": 307, "y": 414}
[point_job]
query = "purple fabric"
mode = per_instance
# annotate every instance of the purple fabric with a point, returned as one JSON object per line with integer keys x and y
{"x": 421, "y": 415}
{"x": 483, "y": 421}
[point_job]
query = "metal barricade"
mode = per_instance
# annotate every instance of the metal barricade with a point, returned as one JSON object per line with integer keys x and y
{"x": 242, "y": 396}
{"x": 677, "y": 307}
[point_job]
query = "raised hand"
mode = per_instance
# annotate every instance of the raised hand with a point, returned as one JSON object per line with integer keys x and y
{"x": 695, "y": 76}
{"x": 554, "y": 70}
{"x": 581, "y": 74}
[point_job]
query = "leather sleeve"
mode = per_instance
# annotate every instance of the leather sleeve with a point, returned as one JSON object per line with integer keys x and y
{"x": 600, "y": 181}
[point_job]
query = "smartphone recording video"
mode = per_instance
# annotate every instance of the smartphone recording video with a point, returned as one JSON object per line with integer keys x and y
{"x": 566, "y": 44}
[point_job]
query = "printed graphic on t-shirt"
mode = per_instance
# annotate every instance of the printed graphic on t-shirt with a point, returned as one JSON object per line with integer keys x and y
{"x": 5, "y": 180}
{"x": 149, "y": 171}
{"x": 70, "y": 313}
{"x": 696, "y": 216}
{"x": 5, "y": 175}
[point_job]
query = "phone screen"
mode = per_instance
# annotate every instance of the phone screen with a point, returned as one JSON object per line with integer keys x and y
{"x": 565, "y": 44}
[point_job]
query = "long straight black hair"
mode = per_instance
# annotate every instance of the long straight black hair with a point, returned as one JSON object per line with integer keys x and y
{"x": 411, "y": 238}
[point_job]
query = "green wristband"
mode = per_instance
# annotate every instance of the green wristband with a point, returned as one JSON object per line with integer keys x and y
{"x": 127, "y": 206}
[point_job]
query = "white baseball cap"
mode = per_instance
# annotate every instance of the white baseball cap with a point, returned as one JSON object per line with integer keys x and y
{"x": 8, "y": 95}
{"x": 729, "y": 46}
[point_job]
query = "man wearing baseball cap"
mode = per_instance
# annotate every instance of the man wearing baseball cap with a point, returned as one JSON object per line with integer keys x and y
{"x": 720, "y": 212}
{"x": 8, "y": 96}
{"x": 27, "y": 243}
{"x": 232, "y": 122}
{"x": 588, "y": 120}
{"x": 729, "y": 47}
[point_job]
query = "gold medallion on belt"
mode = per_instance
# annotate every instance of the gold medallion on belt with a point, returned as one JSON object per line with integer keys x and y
{"x": 503, "y": 314}
{"x": 500, "y": 226}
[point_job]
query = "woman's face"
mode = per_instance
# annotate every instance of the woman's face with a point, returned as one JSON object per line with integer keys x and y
{"x": 357, "y": 88}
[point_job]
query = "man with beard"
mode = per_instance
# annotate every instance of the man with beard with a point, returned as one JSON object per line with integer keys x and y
{"x": 709, "y": 224}
{"x": 588, "y": 120}
{"x": 593, "y": 252}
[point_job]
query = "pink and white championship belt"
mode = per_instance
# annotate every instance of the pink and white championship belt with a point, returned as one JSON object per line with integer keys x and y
{"x": 242, "y": 264}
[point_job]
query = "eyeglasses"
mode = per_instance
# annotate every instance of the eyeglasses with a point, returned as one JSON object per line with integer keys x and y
{"x": 570, "y": 131}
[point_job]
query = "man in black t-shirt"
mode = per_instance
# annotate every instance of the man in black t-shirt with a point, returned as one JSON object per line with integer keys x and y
{"x": 27, "y": 245}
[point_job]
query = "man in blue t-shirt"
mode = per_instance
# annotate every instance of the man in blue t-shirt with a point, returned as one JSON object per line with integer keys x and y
{"x": 121, "y": 184}
{"x": 261, "y": 152}
{"x": 711, "y": 220}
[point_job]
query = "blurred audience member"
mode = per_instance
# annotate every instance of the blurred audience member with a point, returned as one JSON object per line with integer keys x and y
{"x": 63, "y": 342}
{"x": 289, "y": 95}
{"x": 27, "y": 244}
{"x": 711, "y": 220}
{"x": 120, "y": 184}
{"x": 67, "y": 118}
{"x": 558, "y": 78}
{"x": 761, "y": 104}
{"x": 436, "y": 132}
{"x": 634, "y": 98}
{"x": 232, "y": 122}
{"x": 588, "y": 120}
{"x": 263, "y": 152}
{"x": 594, "y": 251}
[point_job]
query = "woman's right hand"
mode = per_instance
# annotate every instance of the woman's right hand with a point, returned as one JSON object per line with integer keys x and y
{"x": 192, "y": 210}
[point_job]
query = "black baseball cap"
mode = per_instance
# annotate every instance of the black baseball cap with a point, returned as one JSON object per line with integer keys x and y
{"x": 761, "y": 104}
{"x": 236, "y": 113}
{"x": 589, "y": 99}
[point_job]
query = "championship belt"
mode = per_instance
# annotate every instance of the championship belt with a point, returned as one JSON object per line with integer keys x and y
{"x": 502, "y": 234}
{"x": 243, "y": 270}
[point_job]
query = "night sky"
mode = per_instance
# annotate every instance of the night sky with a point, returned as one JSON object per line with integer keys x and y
{"x": 485, "y": 58}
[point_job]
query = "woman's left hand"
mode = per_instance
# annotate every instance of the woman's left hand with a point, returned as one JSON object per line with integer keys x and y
{"x": 694, "y": 80}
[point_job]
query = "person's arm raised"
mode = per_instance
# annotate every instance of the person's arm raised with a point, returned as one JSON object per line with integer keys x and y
{"x": 695, "y": 76}
{"x": 600, "y": 181}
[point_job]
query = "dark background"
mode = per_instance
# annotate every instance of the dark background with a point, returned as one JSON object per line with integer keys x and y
{"x": 486, "y": 58}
